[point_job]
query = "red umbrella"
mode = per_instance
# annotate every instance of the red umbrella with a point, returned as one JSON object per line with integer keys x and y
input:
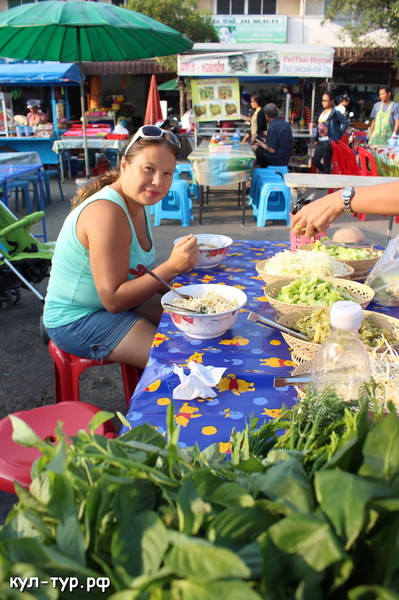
{"x": 153, "y": 111}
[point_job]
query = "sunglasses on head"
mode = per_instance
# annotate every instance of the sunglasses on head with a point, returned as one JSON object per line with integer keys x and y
{"x": 152, "y": 132}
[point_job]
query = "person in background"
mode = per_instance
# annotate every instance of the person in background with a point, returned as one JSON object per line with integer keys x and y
{"x": 331, "y": 125}
{"x": 35, "y": 115}
{"x": 97, "y": 305}
{"x": 385, "y": 115}
{"x": 343, "y": 105}
{"x": 277, "y": 148}
{"x": 299, "y": 111}
{"x": 258, "y": 119}
{"x": 317, "y": 216}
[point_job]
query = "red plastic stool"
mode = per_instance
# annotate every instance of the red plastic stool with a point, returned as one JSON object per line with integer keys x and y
{"x": 16, "y": 461}
{"x": 68, "y": 369}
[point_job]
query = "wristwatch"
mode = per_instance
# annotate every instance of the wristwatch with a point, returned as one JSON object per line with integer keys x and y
{"x": 347, "y": 195}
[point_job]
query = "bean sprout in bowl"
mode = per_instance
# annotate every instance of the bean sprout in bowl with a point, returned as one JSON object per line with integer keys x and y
{"x": 225, "y": 300}
{"x": 213, "y": 248}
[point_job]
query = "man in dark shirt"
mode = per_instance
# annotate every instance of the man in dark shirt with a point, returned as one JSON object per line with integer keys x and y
{"x": 276, "y": 150}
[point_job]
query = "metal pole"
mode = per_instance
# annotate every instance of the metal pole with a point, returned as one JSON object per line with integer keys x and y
{"x": 83, "y": 108}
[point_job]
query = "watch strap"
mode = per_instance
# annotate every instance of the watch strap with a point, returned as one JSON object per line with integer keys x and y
{"x": 348, "y": 202}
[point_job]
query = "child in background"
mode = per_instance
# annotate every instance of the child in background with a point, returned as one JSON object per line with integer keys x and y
{"x": 348, "y": 234}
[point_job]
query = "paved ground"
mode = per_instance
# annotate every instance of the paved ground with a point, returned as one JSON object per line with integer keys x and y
{"x": 26, "y": 373}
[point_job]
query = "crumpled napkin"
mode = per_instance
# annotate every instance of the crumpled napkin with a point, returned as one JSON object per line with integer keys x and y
{"x": 198, "y": 383}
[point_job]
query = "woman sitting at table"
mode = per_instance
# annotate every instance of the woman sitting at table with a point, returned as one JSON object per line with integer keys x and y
{"x": 331, "y": 125}
{"x": 97, "y": 306}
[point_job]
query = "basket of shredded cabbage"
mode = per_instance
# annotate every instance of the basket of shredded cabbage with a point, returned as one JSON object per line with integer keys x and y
{"x": 300, "y": 263}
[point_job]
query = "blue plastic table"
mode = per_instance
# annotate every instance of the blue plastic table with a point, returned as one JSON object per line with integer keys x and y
{"x": 253, "y": 355}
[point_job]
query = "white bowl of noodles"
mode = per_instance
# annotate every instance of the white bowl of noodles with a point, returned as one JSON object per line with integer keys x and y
{"x": 212, "y": 249}
{"x": 222, "y": 303}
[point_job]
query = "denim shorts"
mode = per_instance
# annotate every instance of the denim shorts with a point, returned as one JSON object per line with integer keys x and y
{"x": 93, "y": 336}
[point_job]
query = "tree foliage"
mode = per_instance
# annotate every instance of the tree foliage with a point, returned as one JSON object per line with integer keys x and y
{"x": 366, "y": 17}
{"x": 182, "y": 15}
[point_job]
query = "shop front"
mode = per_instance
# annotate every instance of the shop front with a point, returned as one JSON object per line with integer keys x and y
{"x": 219, "y": 76}
{"x": 49, "y": 83}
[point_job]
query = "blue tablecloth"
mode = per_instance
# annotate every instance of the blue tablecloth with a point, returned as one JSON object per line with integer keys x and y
{"x": 253, "y": 355}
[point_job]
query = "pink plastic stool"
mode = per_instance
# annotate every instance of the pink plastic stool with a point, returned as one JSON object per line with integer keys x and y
{"x": 68, "y": 369}
{"x": 16, "y": 461}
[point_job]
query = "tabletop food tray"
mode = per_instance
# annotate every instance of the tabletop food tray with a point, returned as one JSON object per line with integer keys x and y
{"x": 361, "y": 266}
{"x": 260, "y": 267}
{"x": 220, "y": 148}
{"x": 361, "y": 293}
{"x": 305, "y": 350}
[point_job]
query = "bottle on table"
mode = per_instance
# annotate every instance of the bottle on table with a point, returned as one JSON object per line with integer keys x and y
{"x": 342, "y": 362}
{"x": 236, "y": 137}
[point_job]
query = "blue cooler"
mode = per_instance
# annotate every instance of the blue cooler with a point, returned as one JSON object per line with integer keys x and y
{"x": 28, "y": 131}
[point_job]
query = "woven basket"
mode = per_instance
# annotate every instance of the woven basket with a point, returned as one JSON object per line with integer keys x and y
{"x": 303, "y": 368}
{"x": 362, "y": 294}
{"x": 302, "y": 351}
{"x": 260, "y": 267}
{"x": 361, "y": 267}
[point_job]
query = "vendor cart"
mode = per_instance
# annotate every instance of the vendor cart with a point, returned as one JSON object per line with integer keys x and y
{"x": 58, "y": 77}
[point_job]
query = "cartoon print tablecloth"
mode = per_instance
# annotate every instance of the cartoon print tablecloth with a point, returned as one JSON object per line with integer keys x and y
{"x": 253, "y": 355}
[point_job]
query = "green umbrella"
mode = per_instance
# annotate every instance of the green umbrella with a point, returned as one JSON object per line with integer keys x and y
{"x": 77, "y": 31}
{"x": 169, "y": 86}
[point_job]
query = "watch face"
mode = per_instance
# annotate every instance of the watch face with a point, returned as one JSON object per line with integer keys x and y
{"x": 348, "y": 193}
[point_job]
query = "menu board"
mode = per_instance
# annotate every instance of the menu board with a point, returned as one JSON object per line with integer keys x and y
{"x": 215, "y": 99}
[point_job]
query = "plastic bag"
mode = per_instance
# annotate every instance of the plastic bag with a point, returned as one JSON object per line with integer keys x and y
{"x": 384, "y": 277}
{"x": 187, "y": 121}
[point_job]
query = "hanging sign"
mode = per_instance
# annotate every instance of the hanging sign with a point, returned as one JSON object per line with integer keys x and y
{"x": 215, "y": 99}
{"x": 244, "y": 29}
{"x": 290, "y": 61}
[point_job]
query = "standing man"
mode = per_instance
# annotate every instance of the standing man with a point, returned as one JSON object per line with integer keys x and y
{"x": 385, "y": 115}
{"x": 277, "y": 148}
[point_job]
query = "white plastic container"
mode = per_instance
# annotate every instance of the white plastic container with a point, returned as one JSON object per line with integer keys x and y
{"x": 341, "y": 362}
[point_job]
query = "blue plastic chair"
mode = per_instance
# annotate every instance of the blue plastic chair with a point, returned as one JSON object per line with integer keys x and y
{"x": 193, "y": 187}
{"x": 20, "y": 185}
{"x": 259, "y": 175}
{"x": 273, "y": 203}
{"x": 47, "y": 174}
{"x": 177, "y": 204}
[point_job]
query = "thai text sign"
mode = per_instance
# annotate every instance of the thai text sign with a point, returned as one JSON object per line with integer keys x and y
{"x": 265, "y": 63}
{"x": 215, "y": 99}
{"x": 244, "y": 29}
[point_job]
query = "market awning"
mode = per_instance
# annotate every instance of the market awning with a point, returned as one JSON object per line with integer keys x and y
{"x": 257, "y": 60}
{"x": 50, "y": 73}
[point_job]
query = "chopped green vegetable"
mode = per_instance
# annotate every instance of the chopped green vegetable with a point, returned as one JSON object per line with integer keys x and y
{"x": 310, "y": 291}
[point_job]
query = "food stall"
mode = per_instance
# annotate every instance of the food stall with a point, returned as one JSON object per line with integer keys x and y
{"x": 210, "y": 66}
{"x": 58, "y": 77}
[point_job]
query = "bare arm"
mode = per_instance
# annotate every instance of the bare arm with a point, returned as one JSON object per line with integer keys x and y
{"x": 104, "y": 230}
{"x": 264, "y": 146}
{"x": 380, "y": 199}
{"x": 396, "y": 128}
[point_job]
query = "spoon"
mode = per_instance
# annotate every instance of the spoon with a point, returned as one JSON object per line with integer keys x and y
{"x": 144, "y": 269}
{"x": 177, "y": 308}
{"x": 255, "y": 318}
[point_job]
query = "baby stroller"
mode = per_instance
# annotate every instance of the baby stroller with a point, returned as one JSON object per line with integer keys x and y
{"x": 23, "y": 260}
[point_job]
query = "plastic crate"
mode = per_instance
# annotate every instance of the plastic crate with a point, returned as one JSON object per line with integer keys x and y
{"x": 116, "y": 136}
{"x": 222, "y": 148}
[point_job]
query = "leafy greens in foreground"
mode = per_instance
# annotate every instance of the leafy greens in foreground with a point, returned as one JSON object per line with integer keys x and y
{"x": 310, "y": 514}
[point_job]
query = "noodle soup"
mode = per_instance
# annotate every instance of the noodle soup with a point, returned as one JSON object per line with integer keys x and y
{"x": 225, "y": 301}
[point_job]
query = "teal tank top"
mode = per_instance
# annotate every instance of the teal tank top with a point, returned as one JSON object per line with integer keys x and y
{"x": 71, "y": 292}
